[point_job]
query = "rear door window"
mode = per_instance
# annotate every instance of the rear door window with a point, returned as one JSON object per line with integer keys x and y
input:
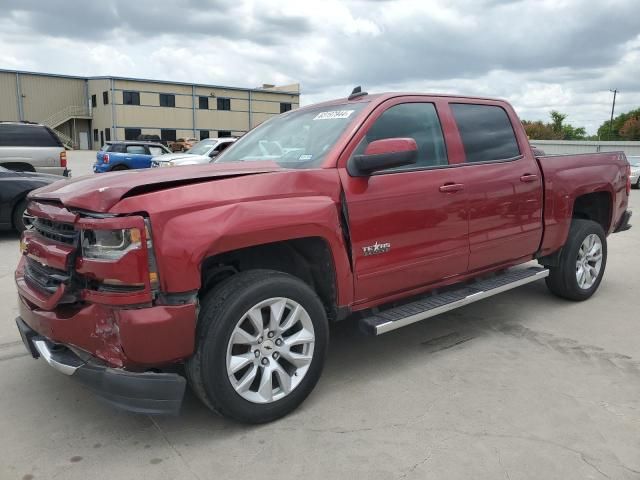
{"x": 136, "y": 150}
{"x": 22, "y": 135}
{"x": 486, "y": 132}
{"x": 115, "y": 148}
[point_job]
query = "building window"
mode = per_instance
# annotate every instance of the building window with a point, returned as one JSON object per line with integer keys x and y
{"x": 95, "y": 134}
{"x": 94, "y": 101}
{"x": 105, "y": 98}
{"x": 107, "y": 134}
{"x": 131, "y": 98}
{"x": 224, "y": 133}
{"x": 168, "y": 135}
{"x": 167, "y": 100}
{"x": 224, "y": 104}
{"x": 204, "y": 133}
{"x": 285, "y": 107}
{"x": 132, "y": 133}
{"x": 203, "y": 103}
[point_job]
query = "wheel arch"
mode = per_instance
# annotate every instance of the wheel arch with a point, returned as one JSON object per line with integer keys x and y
{"x": 308, "y": 258}
{"x": 24, "y": 166}
{"x": 596, "y": 206}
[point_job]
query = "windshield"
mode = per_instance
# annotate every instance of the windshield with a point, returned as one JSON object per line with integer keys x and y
{"x": 201, "y": 148}
{"x": 635, "y": 161}
{"x": 299, "y": 139}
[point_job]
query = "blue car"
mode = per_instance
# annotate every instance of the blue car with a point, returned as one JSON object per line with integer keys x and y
{"x": 127, "y": 155}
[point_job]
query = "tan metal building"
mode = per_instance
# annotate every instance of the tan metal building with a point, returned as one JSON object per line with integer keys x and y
{"x": 87, "y": 111}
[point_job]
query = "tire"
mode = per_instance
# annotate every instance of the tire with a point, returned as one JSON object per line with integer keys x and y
{"x": 118, "y": 168}
{"x": 221, "y": 315}
{"x": 18, "y": 216}
{"x": 563, "y": 280}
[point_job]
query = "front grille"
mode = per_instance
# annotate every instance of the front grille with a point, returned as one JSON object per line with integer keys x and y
{"x": 43, "y": 277}
{"x": 56, "y": 231}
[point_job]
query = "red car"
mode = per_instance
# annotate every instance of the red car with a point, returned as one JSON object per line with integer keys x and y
{"x": 394, "y": 207}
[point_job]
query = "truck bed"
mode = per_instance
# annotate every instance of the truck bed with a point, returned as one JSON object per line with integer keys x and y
{"x": 567, "y": 177}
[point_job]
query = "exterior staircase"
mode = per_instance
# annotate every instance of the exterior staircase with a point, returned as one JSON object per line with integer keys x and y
{"x": 62, "y": 116}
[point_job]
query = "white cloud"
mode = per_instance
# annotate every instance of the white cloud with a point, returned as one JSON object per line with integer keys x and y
{"x": 540, "y": 55}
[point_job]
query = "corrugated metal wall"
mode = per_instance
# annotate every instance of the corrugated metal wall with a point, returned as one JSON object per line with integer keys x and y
{"x": 558, "y": 147}
{"x": 8, "y": 98}
{"x": 44, "y": 96}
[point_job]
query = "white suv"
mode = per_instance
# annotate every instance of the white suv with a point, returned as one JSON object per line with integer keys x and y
{"x": 30, "y": 147}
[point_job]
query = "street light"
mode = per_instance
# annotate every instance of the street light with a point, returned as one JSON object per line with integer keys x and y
{"x": 613, "y": 107}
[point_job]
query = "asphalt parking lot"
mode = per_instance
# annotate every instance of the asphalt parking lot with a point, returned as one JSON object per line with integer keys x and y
{"x": 520, "y": 386}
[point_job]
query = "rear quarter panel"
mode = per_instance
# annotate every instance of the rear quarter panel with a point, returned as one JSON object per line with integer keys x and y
{"x": 566, "y": 177}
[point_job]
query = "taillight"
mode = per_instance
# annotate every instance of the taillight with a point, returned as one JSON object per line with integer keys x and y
{"x": 628, "y": 179}
{"x": 105, "y": 158}
{"x": 63, "y": 159}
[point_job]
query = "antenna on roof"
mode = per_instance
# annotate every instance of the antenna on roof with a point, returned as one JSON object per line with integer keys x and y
{"x": 357, "y": 92}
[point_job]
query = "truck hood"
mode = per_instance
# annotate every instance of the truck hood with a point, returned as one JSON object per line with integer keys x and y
{"x": 99, "y": 193}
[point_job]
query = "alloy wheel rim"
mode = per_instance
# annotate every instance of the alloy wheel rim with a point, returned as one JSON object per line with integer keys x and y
{"x": 589, "y": 261}
{"x": 270, "y": 350}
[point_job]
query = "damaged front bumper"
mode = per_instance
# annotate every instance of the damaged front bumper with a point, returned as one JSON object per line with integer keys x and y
{"x": 141, "y": 392}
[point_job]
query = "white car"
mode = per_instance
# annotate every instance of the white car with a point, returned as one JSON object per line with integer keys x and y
{"x": 635, "y": 171}
{"x": 204, "y": 151}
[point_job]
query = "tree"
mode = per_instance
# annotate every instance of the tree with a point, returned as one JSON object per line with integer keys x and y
{"x": 557, "y": 120}
{"x": 555, "y": 130}
{"x": 631, "y": 129}
{"x": 616, "y": 127}
{"x": 539, "y": 131}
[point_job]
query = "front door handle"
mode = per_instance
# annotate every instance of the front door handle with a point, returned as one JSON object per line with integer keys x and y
{"x": 451, "y": 187}
{"x": 528, "y": 177}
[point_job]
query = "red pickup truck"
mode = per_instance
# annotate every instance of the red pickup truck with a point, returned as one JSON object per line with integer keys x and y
{"x": 385, "y": 209}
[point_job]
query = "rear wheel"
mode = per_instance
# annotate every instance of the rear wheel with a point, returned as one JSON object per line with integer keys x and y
{"x": 119, "y": 167}
{"x": 582, "y": 262}
{"x": 261, "y": 344}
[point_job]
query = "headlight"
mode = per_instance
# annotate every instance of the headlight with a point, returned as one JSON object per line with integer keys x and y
{"x": 109, "y": 244}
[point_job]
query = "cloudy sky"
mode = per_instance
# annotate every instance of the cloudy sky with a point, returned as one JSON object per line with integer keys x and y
{"x": 539, "y": 54}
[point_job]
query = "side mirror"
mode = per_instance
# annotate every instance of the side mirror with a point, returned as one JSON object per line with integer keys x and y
{"x": 213, "y": 154}
{"x": 383, "y": 154}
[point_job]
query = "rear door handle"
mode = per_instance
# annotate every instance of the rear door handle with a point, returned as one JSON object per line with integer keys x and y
{"x": 451, "y": 187}
{"x": 528, "y": 177}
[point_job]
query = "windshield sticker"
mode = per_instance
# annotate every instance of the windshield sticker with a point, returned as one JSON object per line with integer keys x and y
{"x": 305, "y": 157}
{"x": 333, "y": 115}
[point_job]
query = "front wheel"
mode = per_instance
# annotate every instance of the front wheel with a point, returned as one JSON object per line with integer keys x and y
{"x": 261, "y": 344}
{"x": 582, "y": 262}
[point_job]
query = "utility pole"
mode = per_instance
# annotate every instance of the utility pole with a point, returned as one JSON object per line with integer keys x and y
{"x": 613, "y": 107}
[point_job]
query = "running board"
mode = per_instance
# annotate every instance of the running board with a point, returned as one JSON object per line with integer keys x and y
{"x": 435, "y": 304}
